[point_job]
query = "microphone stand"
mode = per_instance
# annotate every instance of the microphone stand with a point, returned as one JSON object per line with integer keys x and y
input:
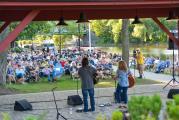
{"x": 58, "y": 113}
{"x": 134, "y": 60}
{"x": 173, "y": 73}
{"x": 134, "y": 66}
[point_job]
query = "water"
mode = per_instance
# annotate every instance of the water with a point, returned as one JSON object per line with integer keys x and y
{"x": 157, "y": 50}
{"x": 160, "y": 51}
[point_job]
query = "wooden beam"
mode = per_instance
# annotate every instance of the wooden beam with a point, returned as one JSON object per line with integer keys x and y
{"x": 172, "y": 37}
{"x": 12, "y": 36}
{"x": 178, "y": 31}
{"x": 4, "y": 26}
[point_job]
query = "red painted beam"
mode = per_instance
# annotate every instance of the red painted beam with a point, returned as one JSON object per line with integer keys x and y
{"x": 15, "y": 11}
{"x": 93, "y": 3}
{"x": 120, "y": 4}
{"x": 90, "y": 14}
{"x": 12, "y": 36}
{"x": 178, "y": 35}
{"x": 172, "y": 37}
{"x": 4, "y": 26}
{"x": 80, "y": 0}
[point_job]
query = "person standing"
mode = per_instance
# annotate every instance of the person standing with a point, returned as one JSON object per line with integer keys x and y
{"x": 140, "y": 62}
{"x": 123, "y": 84}
{"x": 86, "y": 73}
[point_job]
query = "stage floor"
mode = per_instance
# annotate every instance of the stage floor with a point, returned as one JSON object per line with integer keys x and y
{"x": 43, "y": 102}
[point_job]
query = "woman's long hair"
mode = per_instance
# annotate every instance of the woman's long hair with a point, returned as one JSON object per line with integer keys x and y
{"x": 122, "y": 65}
{"x": 85, "y": 62}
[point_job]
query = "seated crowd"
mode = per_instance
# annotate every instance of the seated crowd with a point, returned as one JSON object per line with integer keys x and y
{"x": 158, "y": 66}
{"x": 31, "y": 66}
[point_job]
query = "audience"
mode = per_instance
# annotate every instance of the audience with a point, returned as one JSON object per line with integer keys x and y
{"x": 30, "y": 66}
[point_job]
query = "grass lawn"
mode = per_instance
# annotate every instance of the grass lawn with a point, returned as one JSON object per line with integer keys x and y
{"x": 64, "y": 83}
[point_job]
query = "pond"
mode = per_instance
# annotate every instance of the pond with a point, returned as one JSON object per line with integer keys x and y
{"x": 161, "y": 51}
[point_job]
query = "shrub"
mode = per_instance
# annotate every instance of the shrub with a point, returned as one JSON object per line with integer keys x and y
{"x": 142, "y": 106}
{"x": 31, "y": 118}
{"x": 117, "y": 115}
{"x": 156, "y": 105}
{"x": 100, "y": 117}
{"x": 176, "y": 99}
{"x": 6, "y": 116}
{"x": 173, "y": 112}
{"x": 173, "y": 108}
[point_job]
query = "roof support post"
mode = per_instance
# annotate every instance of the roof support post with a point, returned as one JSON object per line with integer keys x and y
{"x": 178, "y": 31}
{"x": 19, "y": 28}
{"x": 178, "y": 39}
{"x": 4, "y": 26}
{"x": 172, "y": 37}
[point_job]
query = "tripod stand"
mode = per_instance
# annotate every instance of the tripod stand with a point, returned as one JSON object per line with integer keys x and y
{"x": 134, "y": 66}
{"x": 58, "y": 113}
{"x": 173, "y": 72}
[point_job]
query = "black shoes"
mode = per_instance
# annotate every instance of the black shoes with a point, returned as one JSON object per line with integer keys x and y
{"x": 140, "y": 77}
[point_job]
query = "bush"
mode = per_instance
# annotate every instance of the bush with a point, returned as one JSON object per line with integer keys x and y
{"x": 117, "y": 115}
{"x": 142, "y": 106}
{"x": 100, "y": 117}
{"x": 156, "y": 105}
{"x": 6, "y": 116}
{"x": 176, "y": 99}
{"x": 173, "y": 108}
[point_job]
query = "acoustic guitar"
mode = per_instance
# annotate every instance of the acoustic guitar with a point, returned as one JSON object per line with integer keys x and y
{"x": 131, "y": 80}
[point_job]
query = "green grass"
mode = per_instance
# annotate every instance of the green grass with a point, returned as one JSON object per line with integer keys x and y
{"x": 64, "y": 83}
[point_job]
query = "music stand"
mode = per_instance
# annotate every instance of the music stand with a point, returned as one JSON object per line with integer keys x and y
{"x": 58, "y": 113}
{"x": 172, "y": 46}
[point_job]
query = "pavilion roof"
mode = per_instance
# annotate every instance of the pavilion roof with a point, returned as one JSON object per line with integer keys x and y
{"x": 16, "y": 10}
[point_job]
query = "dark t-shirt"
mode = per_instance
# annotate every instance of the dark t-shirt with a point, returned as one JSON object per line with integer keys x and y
{"x": 86, "y": 74}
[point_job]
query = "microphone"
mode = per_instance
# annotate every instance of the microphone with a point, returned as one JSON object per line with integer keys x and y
{"x": 54, "y": 88}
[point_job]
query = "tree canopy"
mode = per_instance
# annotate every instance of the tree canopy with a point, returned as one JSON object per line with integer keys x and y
{"x": 148, "y": 32}
{"x": 108, "y": 31}
{"x": 35, "y": 28}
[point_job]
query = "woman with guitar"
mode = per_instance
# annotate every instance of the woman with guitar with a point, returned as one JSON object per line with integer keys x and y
{"x": 122, "y": 74}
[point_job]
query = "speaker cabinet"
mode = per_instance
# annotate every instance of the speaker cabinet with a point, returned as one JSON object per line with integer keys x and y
{"x": 74, "y": 100}
{"x": 22, "y": 105}
{"x": 172, "y": 92}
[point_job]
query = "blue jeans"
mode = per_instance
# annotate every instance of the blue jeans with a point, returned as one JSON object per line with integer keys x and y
{"x": 85, "y": 93}
{"x": 121, "y": 94}
{"x": 49, "y": 79}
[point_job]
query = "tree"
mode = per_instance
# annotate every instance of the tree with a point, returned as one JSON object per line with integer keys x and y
{"x": 3, "y": 59}
{"x": 103, "y": 30}
{"x": 34, "y": 28}
{"x": 39, "y": 38}
{"x": 150, "y": 32}
{"x": 125, "y": 40}
{"x": 116, "y": 29}
{"x": 140, "y": 32}
{"x": 57, "y": 42}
